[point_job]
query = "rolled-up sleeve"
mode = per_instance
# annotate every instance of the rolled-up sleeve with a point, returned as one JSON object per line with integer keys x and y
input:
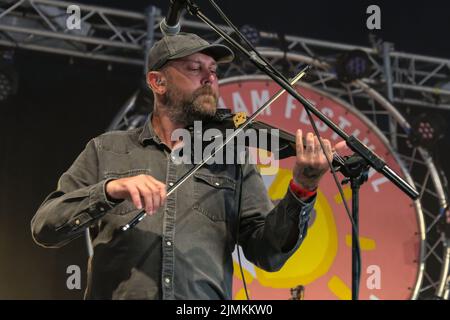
{"x": 78, "y": 201}
{"x": 265, "y": 229}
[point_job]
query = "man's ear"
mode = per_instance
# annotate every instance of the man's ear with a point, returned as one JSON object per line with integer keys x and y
{"x": 157, "y": 82}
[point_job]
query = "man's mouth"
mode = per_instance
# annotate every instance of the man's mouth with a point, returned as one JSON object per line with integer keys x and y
{"x": 207, "y": 97}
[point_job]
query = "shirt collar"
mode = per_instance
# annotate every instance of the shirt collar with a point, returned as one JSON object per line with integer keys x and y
{"x": 148, "y": 133}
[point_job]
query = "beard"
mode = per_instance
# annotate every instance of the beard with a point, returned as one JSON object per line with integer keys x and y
{"x": 184, "y": 109}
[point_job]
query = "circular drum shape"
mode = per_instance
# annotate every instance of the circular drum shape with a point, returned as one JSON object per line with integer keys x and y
{"x": 389, "y": 221}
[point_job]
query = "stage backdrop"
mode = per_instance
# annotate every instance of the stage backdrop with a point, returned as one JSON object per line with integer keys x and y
{"x": 389, "y": 237}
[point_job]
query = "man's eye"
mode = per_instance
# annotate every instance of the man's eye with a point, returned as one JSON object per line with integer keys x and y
{"x": 194, "y": 67}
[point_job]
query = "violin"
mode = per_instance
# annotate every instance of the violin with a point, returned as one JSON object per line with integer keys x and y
{"x": 225, "y": 120}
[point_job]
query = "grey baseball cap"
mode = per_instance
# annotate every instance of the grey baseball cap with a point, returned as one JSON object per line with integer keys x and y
{"x": 182, "y": 45}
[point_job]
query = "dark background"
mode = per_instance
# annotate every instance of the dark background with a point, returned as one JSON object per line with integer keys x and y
{"x": 60, "y": 106}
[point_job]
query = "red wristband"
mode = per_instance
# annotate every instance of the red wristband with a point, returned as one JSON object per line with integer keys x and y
{"x": 300, "y": 192}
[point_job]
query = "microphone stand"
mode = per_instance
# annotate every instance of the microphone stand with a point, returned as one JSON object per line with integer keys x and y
{"x": 356, "y": 171}
{"x": 356, "y": 167}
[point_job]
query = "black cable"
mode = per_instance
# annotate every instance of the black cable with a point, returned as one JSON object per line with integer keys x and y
{"x": 316, "y": 131}
{"x": 241, "y": 176}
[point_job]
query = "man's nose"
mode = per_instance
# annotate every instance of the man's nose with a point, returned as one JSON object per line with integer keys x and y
{"x": 209, "y": 77}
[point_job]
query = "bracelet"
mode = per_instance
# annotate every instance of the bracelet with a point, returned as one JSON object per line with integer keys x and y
{"x": 300, "y": 192}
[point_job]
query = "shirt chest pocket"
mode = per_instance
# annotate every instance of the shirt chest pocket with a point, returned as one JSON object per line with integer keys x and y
{"x": 214, "y": 196}
{"x": 126, "y": 206}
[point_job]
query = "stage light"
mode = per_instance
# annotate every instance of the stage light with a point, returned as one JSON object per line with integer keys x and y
{"x": 251, "y": 33}
{"x": 426, "y": 130}
{"x": 352, "y": 65}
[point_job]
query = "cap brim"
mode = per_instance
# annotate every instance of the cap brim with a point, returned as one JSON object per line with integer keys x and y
{"x": 220, "y": 53}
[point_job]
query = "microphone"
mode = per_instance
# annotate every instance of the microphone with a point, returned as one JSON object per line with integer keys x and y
{"x": 170, "y": 25}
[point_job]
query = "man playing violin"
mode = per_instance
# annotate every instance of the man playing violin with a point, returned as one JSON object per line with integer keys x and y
{"x": 183, "y": 249}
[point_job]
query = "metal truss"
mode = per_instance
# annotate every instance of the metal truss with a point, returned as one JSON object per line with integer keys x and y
{"x": 106, "y": 34}
{"x": 400, "y": 79}
{"x": 120, "y": 36}
{"x": 408, "y": 79}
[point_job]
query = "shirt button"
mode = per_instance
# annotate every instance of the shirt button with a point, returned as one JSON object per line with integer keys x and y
{"x": 77, "y": 222}
{"x": 102, "y": 209}
{"x": 217, "y": 184}
{"x": 169, "y": 243}
{"x": 167, "y": 281}
{"x": 171, "y": 184}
